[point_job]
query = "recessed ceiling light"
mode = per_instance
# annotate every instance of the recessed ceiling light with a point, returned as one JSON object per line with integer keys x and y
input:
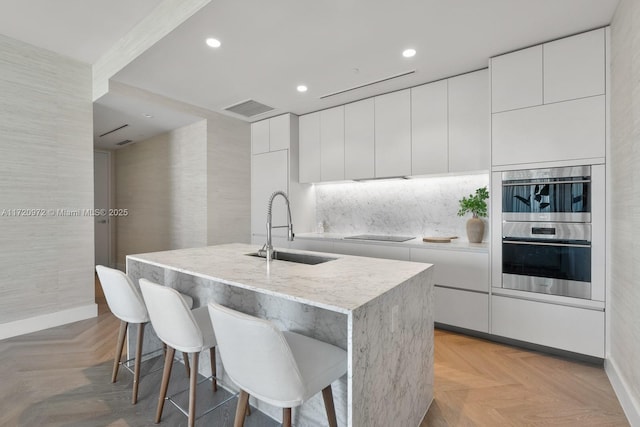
{"x": 147, "y": 115}
{"x": 213, "y": 42}
{"x": 408, "y": 53}
{"x": 301, "y": 88}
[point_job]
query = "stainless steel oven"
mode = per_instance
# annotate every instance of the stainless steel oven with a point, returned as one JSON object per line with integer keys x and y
{"x": 550, "y": 258}
{"x": 546, "y": 231}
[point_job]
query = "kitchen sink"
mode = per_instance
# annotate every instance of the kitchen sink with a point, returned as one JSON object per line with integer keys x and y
{"x": 294, "y": 257}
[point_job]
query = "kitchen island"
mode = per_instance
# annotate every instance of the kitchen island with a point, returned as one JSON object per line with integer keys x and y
{"x": 380, "y": 311}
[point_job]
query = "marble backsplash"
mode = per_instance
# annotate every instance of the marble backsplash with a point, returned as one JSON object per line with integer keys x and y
{"x": 414, "y": 207}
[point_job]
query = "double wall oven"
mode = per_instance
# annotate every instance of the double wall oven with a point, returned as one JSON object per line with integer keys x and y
{"x": 547, "y": 244}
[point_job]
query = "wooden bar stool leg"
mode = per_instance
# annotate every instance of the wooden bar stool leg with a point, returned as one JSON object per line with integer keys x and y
{"x": 286, "y": 417}
{"x": 214, "y": 380}
{"x": 241, "y": 409}
{"x": 185, "y": 358}
{"x": 327, "y": 395}
{"x": 136, "y": 371}
{"x": 193, "y": 384}
{"x": 166, "y": 374}
{"x": 119, "y": 344}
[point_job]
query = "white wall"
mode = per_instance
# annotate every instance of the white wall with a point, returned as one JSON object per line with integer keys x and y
{"x": 623, "y": 360}
{"x": 46, "y": 162}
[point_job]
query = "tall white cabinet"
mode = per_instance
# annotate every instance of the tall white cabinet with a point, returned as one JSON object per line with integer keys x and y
{"x": 274, "y": 167}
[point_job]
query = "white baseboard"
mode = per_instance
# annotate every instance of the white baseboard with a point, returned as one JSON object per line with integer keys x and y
{"x": 46, "y": 321}
{"x": 629, "y": 403}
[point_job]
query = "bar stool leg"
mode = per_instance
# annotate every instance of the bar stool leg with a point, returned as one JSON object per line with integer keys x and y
{"x": 327, "y": 395}
{"x": 192, "y": 390}
{"x": 136, "y": 371}
{"x": 166, "y": 374}
{"x": 241, "y": 409}
{"x": 286, "y": 417}
{"x": 214, "y": 380}
{"x": 119, "y": 344}
{"x": 185, "y": 358}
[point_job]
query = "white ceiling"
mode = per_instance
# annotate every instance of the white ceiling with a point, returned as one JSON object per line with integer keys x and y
{"x": 268, "y": 48}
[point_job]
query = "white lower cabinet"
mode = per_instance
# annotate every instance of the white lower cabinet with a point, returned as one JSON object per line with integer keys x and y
{"x": 464, "y": 309}
{"x": 567, "y": 328}
{"x": 462, "y": 287}
{"x": 312, "y": 245}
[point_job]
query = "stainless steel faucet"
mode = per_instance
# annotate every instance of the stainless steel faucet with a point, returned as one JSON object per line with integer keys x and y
{"x": 267, "y": 249}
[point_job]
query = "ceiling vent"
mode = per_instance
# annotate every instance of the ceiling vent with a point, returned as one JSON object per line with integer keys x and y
{"x": 386, "y": 79}
{"x": 114, "y": 130}
{"x": 125, "y": 142}
{"x": 249, "y": 108}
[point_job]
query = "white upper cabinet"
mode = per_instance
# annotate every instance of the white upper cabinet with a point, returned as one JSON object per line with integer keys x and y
{"x": 393, "y": 134}
{"x": 469, "y": 122}
{"x": 271, "y": 134}
{"x": 516, "y": 80}
{"x": 574, "y": 67}
{"x": 309, "y": 148}
{"x": 359, "y": 139}
{"x": 279, "y": 132}
{"x": 332, "y": 144}
{"x": 269, "y": 173}
{"x": 260, "y": 137}
{"x": 429, "y": 128}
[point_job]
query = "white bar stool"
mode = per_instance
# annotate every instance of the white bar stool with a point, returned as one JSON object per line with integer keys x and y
{"x": 281, "y": 368}
{"x": 181, "y": 329}
{"x": 126, "y": 303}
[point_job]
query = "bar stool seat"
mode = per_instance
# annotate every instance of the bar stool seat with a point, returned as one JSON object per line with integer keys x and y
{"x": 283, "y": 369}
{"x": 126, "y": 303}
{"x": 182, "y": 329}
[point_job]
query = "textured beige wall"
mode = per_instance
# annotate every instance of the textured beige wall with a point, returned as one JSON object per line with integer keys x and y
{"x": 162, "y": 182}
{"x": 46, "y": 162}
{"x": 228, "y": 181}
{"x": 185, "y": 188}
{"x": 624, "y": 163}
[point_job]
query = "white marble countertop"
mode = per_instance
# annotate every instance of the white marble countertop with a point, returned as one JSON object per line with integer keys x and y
{"x": 455, "y": 245}
{"x": 341, "y": 285}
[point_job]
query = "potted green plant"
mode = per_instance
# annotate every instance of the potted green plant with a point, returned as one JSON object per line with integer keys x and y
{"x": 477, "y": 205}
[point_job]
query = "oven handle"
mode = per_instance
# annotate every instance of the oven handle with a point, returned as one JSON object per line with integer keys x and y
{"x": 530, "y": 242}
{"x": 509, "y": 183}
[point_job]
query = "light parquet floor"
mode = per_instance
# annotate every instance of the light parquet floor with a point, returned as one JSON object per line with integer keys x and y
{"x": 61, "y": 377}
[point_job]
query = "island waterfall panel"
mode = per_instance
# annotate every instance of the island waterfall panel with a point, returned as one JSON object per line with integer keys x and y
{"x": 388, "y": 333}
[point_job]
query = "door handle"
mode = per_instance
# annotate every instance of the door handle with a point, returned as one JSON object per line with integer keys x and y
{"x": 102, "y": 221}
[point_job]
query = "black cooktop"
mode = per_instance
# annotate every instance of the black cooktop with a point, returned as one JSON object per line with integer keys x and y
{"x": 380, "y": 238}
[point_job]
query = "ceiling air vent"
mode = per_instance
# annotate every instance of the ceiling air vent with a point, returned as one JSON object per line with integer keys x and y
{"x": 385, "y": 79}
{"x": 114, "y": 130}
{"x": 249, "y": 108}
{"x": 125, "y": 142}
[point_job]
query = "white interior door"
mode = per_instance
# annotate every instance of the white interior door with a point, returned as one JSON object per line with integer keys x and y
{"x": 101, "y": 190}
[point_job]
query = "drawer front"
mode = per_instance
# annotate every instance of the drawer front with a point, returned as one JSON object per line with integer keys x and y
{"x": 469, "y": 310}
{"x": 567, "y": 328}
{"x": 457, "y": 269}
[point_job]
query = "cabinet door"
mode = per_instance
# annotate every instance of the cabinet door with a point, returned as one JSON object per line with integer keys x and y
{"x": 469, "y": 122}
{"x": 393, "y": 134}
{"x": 516, "y": 79}
{"x": 260, "y": 137}
{"x": 429, "y": 128}
{"x": 269, "y": 173}
{"x": 570, "y": 130}
{"x": 359, "y": 139}
{"x": 279, "y": 132}
{"x": 309, "y": 156}
{"x": 332, "y": 144}
{"x": 574, "y": 67}
{"x": 469, "y": 310}
{"x": 456, "y": 269}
